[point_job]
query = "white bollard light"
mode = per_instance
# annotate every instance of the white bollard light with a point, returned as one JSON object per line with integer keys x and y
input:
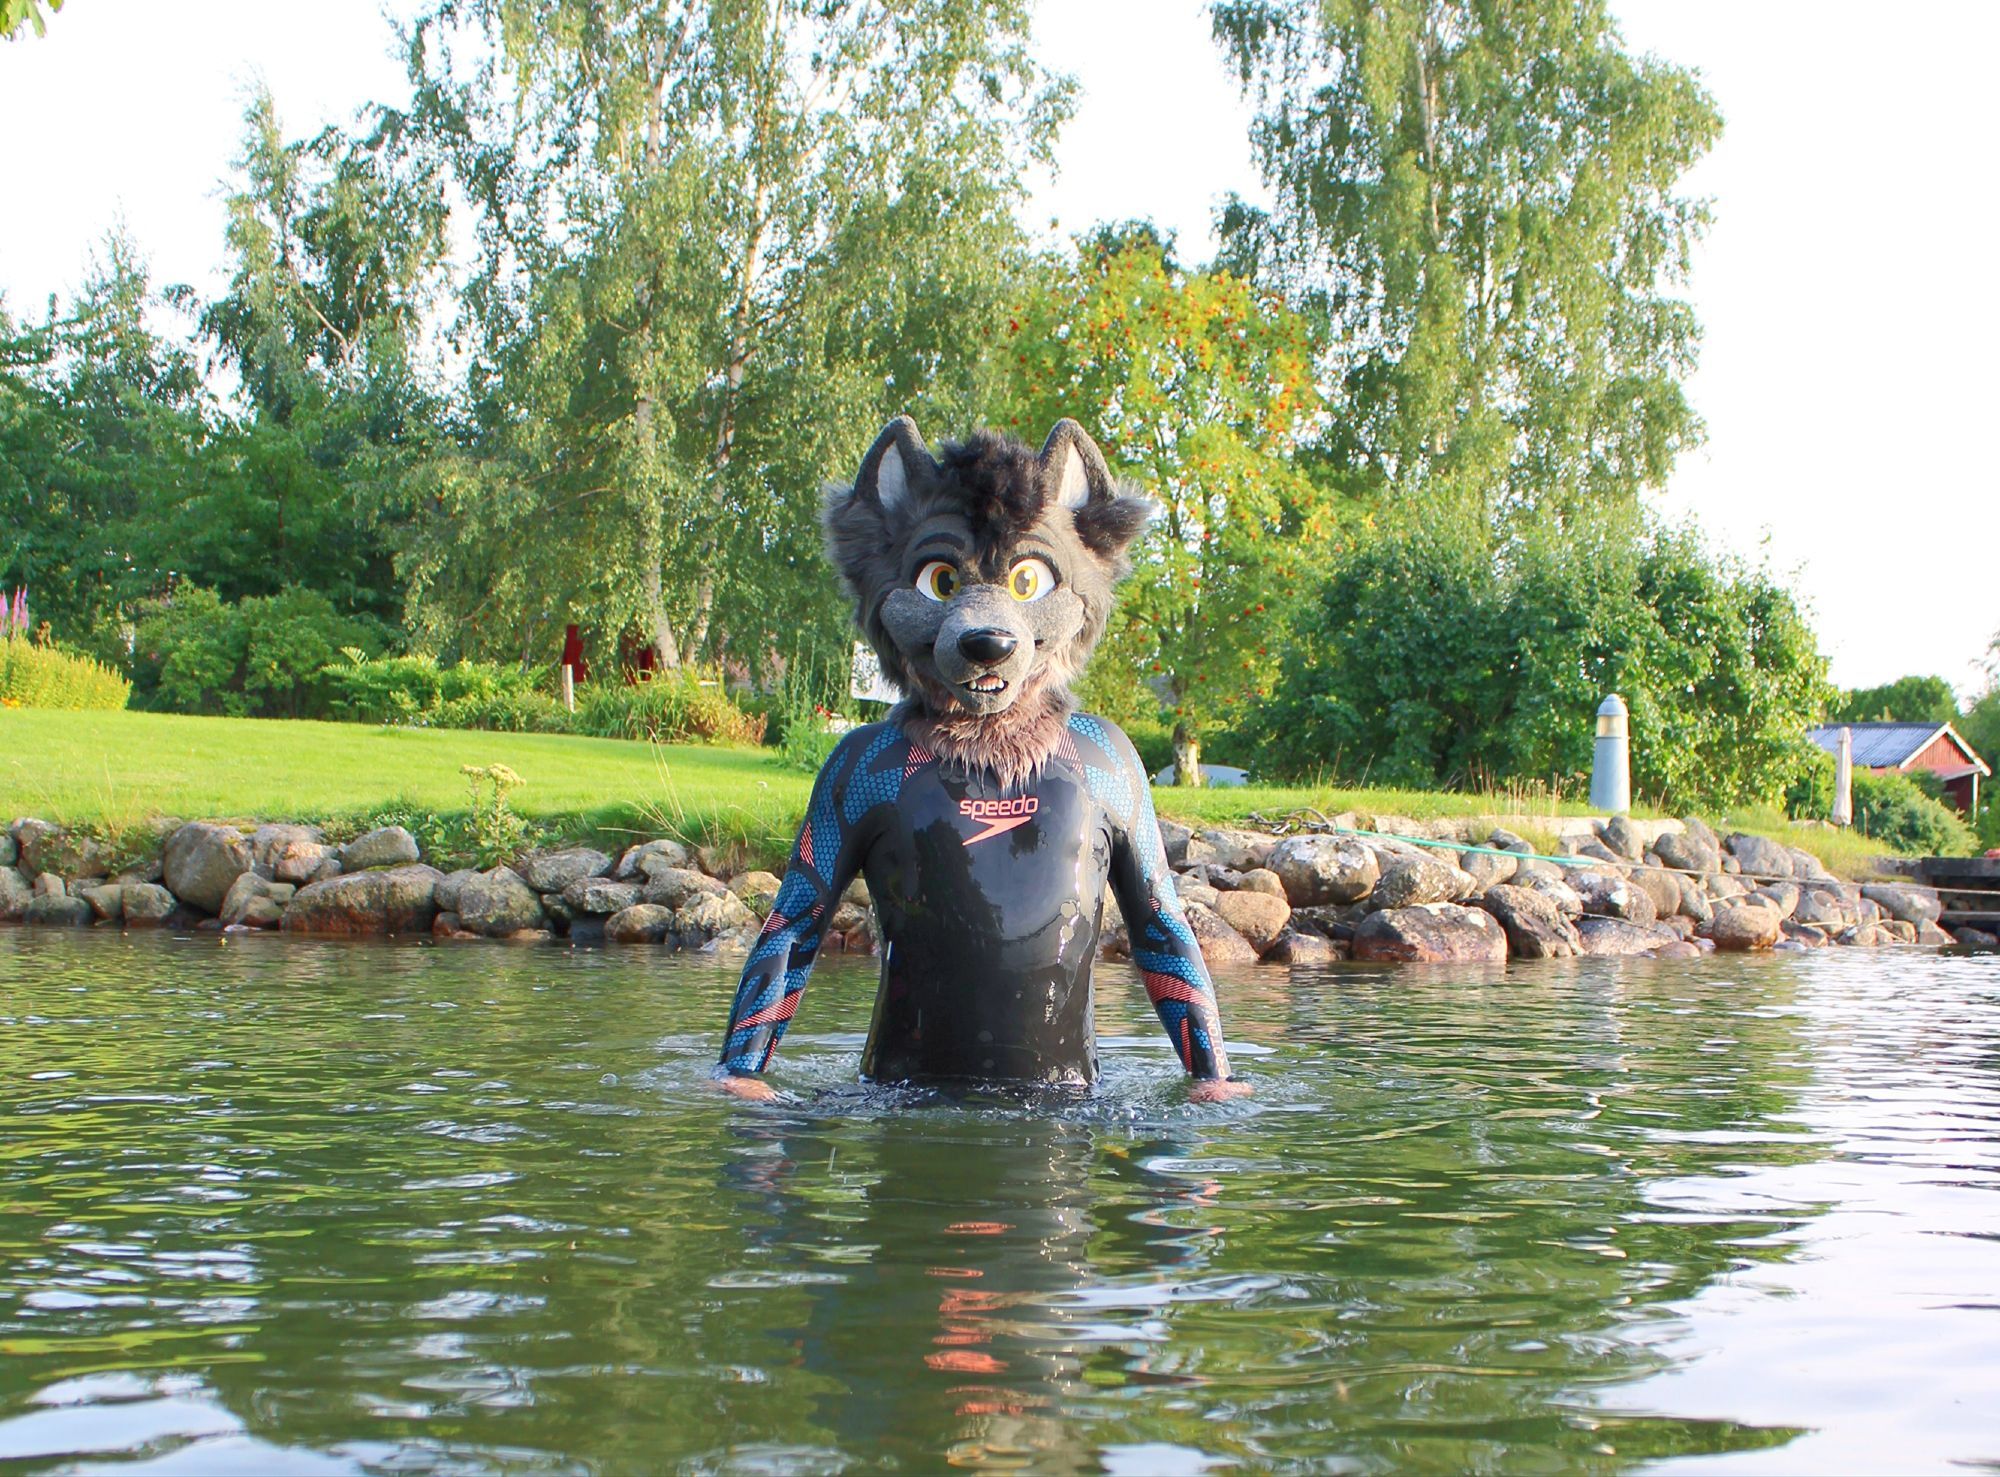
{"x": 1843, "y": 780}
{"x": 1611, "y": 769}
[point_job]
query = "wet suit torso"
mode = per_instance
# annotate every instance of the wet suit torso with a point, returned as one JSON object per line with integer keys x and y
{"x": 989, "y": 901}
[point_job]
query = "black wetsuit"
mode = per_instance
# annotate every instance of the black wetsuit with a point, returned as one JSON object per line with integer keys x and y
{"x": 989, "y": 901}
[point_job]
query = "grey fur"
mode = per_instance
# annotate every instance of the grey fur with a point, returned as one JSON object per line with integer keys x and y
{"x": 986, "y": 674}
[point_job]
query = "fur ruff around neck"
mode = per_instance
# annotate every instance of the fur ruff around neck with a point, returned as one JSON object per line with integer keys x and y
{"x": 1013, "y": 746}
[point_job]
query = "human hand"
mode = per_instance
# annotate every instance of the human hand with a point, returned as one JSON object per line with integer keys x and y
{"x": 749, "y": 1089}
{"x": 1218, "y": 1089}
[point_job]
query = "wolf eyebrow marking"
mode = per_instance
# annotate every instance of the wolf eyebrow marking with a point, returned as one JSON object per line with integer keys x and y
{"x": 949, "y": 540}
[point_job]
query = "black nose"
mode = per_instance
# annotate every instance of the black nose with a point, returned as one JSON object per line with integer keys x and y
{"x": 987, "y": 645}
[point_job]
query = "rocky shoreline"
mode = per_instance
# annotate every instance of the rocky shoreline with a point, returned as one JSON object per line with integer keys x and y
{"x": 1620, "y": 887}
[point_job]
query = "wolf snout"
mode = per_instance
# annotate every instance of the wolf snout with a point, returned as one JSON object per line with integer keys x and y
{"x": 988, "y": 645}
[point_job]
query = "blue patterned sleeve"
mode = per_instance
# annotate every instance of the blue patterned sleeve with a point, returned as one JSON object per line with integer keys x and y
{"x": 825, "y": 858}
{"x": 1163, "y": 946}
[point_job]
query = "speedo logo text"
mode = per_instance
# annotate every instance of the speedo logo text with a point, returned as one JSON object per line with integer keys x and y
{"x": 998, "y": 815}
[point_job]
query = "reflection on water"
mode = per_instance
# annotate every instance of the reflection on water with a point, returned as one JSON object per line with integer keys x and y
{"x": 282, "y": 1206}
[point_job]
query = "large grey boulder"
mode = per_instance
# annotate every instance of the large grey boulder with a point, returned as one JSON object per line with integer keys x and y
{"x": 1621, "y": 837}
{"x": 1664, "y": 888}
{"x": 1687, "y": 852}
{"x": 381, "y": 901}
{"x": 1566, "y": 899}
{"x": 1809, "y": 867}
{"x": 1411, "y": 878}
{"x": 1608, "y": 894}
{"x": 385, "y": 846}
{"x": 447, "y": 888}
{"x": 288, "y": 853}
{"x": 1761, "y": 857}
{"x": 256, "y": 902}
{"x": 1304, "y": 949}
{"x": 145, "y": 904}
{"x": 1175, "y": 837}
{"x": 1905, "y": 901}
{"x": 1784, "y": 896}
{"x": 200, "y": 862}
{"x": 107, "y": 903}
{"x": 1744, "y": 926}
{"x": 676, "y": 887}
{"x": 1694, "y": 900}
{"x": 1218, "y": 942}
{"x": 46, "y": 848}
{"x": 1335, "y": 920}
{"x": 1534, "y": 925}
{"x": 1258, "y": 916}
{"x": 57, "y": 911}
{"x": 1431, "y": 933}
{"x": 1619, "y": 937}
{"x": 10, "y": 849}
{"x": 16, "y": 892}
{"x": 599, "y": 897}
{"x": 1821, "y": 907}
{"x": 1239, "y": 850}
{"x": 712, "y": 916}
{"x": 758, "y": 890}
{"x": 1324, "y": 869}
{"x": 642, "y": 923}
{"x": 1488, "y": 869}
{"x": 637, "y": 862}
{"x": 497, "y": 903}
{"x": 552, "y": 871}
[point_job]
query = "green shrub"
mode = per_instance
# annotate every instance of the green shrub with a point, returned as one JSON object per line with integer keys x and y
{"x": 1440, "y": 651}
{"x": 1893, "y": 809}
{"x": 263, "y": 656}
{"x": 415, "y": 689}
{"x": 34, "y": 675}
{"x": 502, "y": 712}
{"x": 670, "y": 709}
{"x": 1899, "y": 810}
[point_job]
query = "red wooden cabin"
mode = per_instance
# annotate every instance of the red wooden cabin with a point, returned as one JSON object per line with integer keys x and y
{"x": 1903, "y": 747}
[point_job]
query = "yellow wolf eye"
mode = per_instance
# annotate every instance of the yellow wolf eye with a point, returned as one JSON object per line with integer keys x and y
{"x": 938, "y": 580}
{"x": 1030, "y": 580}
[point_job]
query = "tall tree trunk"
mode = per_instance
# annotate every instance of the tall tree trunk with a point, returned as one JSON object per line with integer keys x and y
{"x": 740, "y": 349}
{"x": 1187, "y": 756}
{"x": 666, "y": 650}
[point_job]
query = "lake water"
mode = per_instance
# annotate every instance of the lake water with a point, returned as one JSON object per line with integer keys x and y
{"x": 272, "y": 1206}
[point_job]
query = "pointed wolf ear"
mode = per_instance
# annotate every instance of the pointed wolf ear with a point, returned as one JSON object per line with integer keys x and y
{"x": 897, "y": 466}
{"x": 859, "y": 522}
{"x": 1074, "y": 475}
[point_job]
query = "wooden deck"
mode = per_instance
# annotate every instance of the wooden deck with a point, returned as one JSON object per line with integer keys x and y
{"x": 1968, "y": 888}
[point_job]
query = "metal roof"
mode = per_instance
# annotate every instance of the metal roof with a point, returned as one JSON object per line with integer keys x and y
{"x": 1889, "y": 745}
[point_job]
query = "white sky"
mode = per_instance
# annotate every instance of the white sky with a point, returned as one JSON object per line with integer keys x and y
{"x": 1851, "y": 314}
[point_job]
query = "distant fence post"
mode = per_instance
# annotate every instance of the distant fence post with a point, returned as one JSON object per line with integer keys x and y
{"x": 569, "y": 688}
{"x": 1843, "y": 779}
{"x": 1611, "y": 769}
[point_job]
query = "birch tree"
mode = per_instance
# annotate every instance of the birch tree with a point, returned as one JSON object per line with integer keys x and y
{"x": 720, "y": 241}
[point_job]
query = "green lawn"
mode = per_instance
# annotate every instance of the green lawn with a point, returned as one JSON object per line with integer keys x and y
{"x": 116, "y": 771}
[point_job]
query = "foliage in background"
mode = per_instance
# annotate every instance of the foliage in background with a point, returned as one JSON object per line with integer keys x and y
{"x": 16, "y": 15}
{"x": 1198, "y": 387}
{"x": 1893, "y": 809}
{"x": 38, "y": 675}
{"x": 418, "y": 689}
{"x": 1906, "y": 700}
{"x": 260, "y": 657}
{"x": 719, "y": 245}
{"x": 1433, "y": 655}
{"x": 687, "y": 706}
{"x": 1480, "y": 200}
